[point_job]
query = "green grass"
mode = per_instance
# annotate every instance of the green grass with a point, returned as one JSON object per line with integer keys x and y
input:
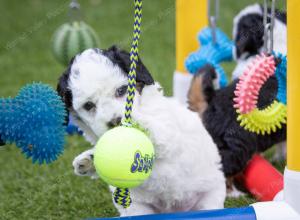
{"x": 53, "y": 192}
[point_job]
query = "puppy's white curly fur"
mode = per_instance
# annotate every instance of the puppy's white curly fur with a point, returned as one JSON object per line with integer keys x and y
{"x": 187, "y": 171}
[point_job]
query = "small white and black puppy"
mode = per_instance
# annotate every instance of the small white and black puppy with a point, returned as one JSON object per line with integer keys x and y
{"x": 187, "y": 173}
{"x": 248, "y": 35}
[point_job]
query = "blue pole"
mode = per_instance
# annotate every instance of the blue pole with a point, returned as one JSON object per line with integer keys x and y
{"x": 246, "y": 213}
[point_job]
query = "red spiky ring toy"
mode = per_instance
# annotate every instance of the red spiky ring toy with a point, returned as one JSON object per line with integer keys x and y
{"x": 246, "y": 96}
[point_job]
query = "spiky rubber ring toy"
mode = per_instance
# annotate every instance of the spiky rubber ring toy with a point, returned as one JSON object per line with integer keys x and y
{"x": 251, "y": 81}
{"x": 264, "y": 121}
{"x": 247, "y": 90}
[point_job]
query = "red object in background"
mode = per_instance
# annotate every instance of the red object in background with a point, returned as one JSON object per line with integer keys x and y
{"x": 262, "y": 179}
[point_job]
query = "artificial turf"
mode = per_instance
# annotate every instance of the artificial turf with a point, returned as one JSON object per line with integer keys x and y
{"x": 52, "y": 191}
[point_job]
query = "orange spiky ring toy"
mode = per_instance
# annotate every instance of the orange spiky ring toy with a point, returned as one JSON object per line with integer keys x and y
{"x": 246, "y": 96}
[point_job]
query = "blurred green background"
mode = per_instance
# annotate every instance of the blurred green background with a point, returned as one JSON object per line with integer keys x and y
{"x": 53, "y": 192}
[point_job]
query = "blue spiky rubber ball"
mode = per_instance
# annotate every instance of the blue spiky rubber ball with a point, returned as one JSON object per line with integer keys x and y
{"x": 34, "y": 121}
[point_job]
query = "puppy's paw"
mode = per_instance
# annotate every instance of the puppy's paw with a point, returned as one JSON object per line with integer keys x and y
{"x": 83, "y": 164}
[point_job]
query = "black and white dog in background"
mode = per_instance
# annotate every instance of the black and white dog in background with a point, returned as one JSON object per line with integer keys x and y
{"x": 248, "y": 33}
{"x": 215, "y": 107}
{"x": 248, "y": 36}
{"x": 187, "y": 173}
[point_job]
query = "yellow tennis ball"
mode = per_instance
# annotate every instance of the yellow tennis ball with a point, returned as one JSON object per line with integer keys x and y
{"x": 124, "y": 157}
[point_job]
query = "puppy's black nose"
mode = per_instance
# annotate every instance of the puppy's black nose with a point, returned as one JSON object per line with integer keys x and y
{"x": 114, "y": 122}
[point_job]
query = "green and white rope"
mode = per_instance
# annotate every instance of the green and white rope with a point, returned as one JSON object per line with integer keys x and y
{"x": 122, "y": 196}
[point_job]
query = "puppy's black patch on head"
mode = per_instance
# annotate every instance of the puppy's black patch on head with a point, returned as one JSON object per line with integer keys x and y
{"x": 250, "y": 32}
{"x": 122, "y": 59}
{"x": 63, "y": 89}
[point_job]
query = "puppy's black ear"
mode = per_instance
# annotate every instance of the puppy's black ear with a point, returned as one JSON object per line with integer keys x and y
{"x": 202, "y": 90}
{"x": 63, "y": 90}
{"x": 250, "y": 32}
{"x": 209, "y": 75}
{"x": 122, "y": 59}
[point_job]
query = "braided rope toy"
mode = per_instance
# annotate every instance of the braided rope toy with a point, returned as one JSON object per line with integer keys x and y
{"x": 211, "y": 53}
{"x": 247, "y": 91}
{"x": 122, "y": 196}
{"x": 124, "y": 155}
{"x": 134, "y": 60}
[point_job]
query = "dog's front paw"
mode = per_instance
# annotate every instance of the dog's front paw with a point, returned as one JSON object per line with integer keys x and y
{"x": 83, "y": 164}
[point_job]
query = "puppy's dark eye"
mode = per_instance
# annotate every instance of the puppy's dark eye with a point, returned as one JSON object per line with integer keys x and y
{"x": 88, "y": 106}
{"x": 121, "y": 91}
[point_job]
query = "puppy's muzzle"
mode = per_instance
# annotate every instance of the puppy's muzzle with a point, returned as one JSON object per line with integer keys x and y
{"x": 114, "y": 122}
